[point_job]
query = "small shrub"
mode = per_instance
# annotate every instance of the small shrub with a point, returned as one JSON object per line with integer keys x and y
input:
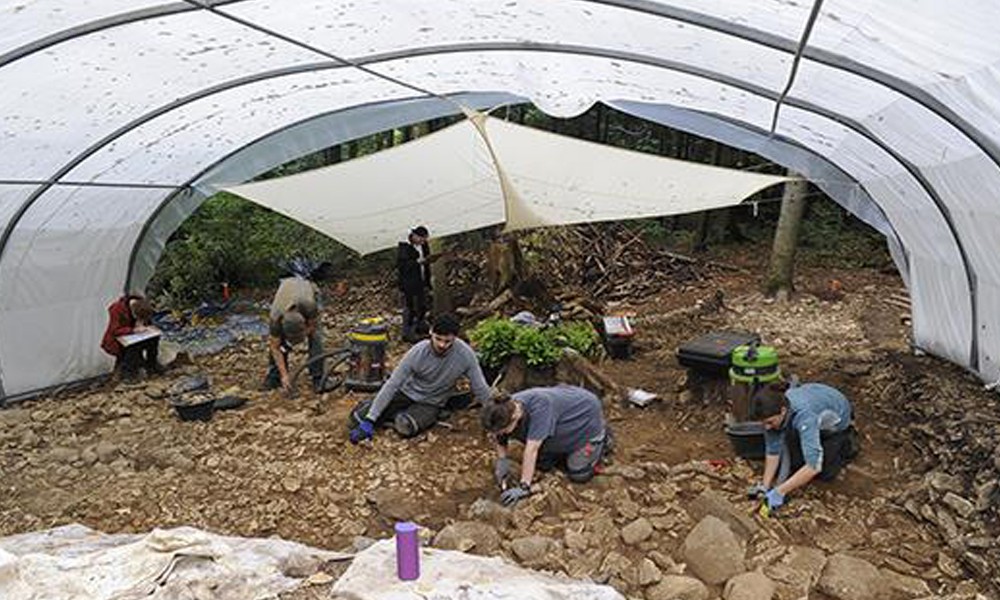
{"x": 494, "y": 340}
{"x": 536, "y": 346}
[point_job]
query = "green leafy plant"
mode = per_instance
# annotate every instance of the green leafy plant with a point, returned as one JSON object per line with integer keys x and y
{"x": 494, "y": 340}
{"x": 578, "y": 335}
{"x": 537, "y": 346}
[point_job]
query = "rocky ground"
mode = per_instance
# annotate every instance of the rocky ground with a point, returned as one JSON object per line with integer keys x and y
{"x": 915, "y": 517}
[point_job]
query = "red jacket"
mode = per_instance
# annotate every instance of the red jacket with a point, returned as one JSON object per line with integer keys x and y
{"x": 120, "y": 322}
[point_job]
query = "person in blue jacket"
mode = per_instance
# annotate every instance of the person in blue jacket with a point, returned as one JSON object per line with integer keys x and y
{"x": 808, "y": 433}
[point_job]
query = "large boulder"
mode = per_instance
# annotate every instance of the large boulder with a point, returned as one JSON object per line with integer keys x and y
{"x": 904, "y": 587}
{"x": 713, "y": 552}
{"x": 713, "y": 503}
{"x": 848, "y": 578}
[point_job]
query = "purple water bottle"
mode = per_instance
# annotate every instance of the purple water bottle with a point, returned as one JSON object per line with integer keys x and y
{"x": 407, "y": 551}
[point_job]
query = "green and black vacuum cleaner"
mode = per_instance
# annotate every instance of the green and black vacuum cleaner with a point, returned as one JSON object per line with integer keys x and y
{"x": 751, "y": 367}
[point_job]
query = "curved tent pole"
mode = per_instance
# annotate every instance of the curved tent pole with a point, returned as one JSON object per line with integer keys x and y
{"x": 681, "y": 15}
{"x": 134, "y": 16}
{"x": 639, "y": 59}
{"x": 813, "y": 14}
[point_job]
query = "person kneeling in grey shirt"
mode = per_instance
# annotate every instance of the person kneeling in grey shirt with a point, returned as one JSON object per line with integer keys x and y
{"x": 559, "y": 426}
{"x": 421, "y": 385}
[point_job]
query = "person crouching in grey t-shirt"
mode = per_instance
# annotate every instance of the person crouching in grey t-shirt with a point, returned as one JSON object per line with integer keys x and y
{"x": 422, "y": 384}
{"x": 559, "y": 426}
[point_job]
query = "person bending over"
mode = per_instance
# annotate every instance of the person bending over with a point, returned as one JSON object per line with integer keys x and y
{"x": 560, "y": 426}
{"x": 807, "y": 434}
{"x": 294, "y": 319}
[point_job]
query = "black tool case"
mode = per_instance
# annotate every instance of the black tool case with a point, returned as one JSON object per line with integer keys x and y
{"x": 711, "y": 354}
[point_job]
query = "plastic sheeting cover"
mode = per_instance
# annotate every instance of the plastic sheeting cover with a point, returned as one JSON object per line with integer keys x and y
{"x": 452, "y": 575}
{"x": 77, "y": 563}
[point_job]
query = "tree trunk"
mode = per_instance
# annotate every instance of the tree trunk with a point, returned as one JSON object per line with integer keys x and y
{"x": 504, "y": 263}
{"x": 786, "y": 235}
{"x": 441, "y": 297}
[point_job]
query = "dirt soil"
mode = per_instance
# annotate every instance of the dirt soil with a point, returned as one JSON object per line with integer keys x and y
{"x": 116, "y": 457}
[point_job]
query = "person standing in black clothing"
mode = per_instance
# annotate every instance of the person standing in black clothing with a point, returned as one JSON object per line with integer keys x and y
{"x": 413, "y": 264}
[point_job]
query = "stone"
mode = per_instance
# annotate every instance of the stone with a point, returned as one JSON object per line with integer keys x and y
{"x": 64, "y": 455}
{"x": 713, "y": 503}
{"x": 394, "y": 504}
{"x": 533, "y": 549}
{"x": 943, "y": 482}
{"x": 637, "y": 531}
{"x": 848, "y": 578}
{"x": 490, "y": 512}
{"x": 903, "y": 586}
{"x": 949, "y": 566}
{"x": 667, "y": 563}
{"x": 469, "y": 536}
{"x": 575, "y": 540}
{"x": 106, "y": 452}
{"x": 713, "y": 552}
{"x": 964, "y": 508}
{"x": 615, "y": 565}
{"x": 649, "y": 573}
{"x": 985, "y": 495}
{"x": 749, "y": 586}
{"x": 678, "y": 587}
{"x": 291, "y": 484}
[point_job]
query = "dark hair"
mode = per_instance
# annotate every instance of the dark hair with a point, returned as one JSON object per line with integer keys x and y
{"x": 445, "y": 324}
{"x": 142, "y": 311}
{"x": 420, "y": 230}
{"x": 497, "y": 414}
{"x": 768, "y": 400}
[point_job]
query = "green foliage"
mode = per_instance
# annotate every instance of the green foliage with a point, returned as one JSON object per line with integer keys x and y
{"x": 537, "y": 346}
{"x": 496, "y": 339}
{"x": 578, "y": 335}
{"x": 232, "y": 240}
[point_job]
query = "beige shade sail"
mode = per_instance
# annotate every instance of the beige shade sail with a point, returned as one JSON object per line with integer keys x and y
{"x": 451, "y": 181}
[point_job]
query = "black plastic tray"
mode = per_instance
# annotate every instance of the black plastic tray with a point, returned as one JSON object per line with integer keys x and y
{"x": 712, "y": 352}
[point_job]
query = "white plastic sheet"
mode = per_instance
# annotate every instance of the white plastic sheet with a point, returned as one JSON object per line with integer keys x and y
{"x": 77, "y": 563}
{"x": 452, "y": 575}
{"x": 130, "y": 92}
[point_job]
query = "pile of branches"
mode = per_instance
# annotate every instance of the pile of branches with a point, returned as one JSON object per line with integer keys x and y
{"x": 613, "y": 262}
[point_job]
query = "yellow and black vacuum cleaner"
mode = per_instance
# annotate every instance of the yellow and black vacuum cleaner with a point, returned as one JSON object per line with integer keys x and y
{"x": 368, "y": 342}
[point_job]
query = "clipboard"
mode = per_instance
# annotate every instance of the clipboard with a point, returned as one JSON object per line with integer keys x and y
{"x": 139, "y": 336}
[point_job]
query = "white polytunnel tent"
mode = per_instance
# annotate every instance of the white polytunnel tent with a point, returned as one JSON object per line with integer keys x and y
{"x": 118, "y": 118}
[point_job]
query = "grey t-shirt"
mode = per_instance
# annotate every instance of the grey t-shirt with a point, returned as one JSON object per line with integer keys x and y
{"x": 563, "y": 417}
{"x": 293, "y": 292}
{"x": 425, "y": 377}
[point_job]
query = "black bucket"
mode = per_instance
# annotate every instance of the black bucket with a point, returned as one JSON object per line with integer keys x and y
{"x": 747, "y": 438}
{"x": 194, "y": 408}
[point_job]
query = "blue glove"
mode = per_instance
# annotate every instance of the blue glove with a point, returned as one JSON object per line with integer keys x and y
{"x": 364, "y": 431}
{"x": 511, "y": 496}
{"x": 775, "y": 499}
{"x": 756, "y": 491}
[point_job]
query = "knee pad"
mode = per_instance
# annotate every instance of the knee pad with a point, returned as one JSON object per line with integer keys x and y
{"x": 405, "y": 425}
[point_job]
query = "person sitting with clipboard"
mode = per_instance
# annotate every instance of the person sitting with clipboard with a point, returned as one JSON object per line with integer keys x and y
{"x": 130, "y": 338}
